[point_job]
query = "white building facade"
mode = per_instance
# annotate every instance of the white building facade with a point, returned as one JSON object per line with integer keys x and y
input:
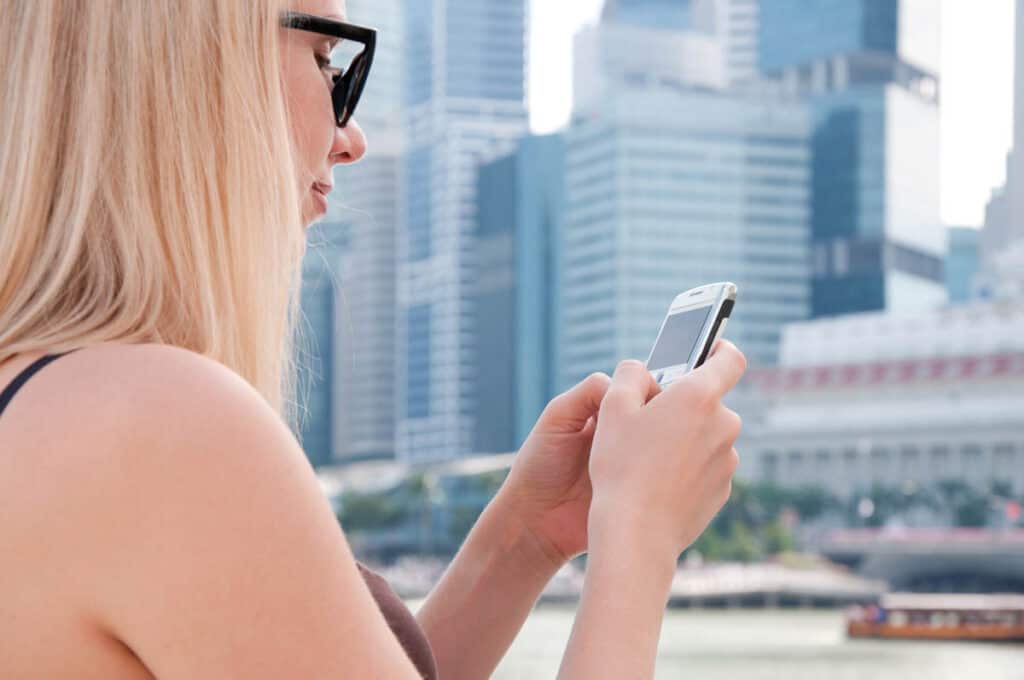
{"x": 892, "y": 400}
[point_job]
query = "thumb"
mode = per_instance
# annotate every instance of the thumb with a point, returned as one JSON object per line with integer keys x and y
{"x": 570, "y": 410}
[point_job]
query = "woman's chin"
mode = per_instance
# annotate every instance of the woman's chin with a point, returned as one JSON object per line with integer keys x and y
{"x": 308, "y": 217}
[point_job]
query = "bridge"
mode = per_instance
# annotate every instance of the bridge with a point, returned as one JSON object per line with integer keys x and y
{"x": 937, "y": 560}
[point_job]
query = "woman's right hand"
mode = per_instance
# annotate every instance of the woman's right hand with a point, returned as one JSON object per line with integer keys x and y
{"x": 662, "y": 461}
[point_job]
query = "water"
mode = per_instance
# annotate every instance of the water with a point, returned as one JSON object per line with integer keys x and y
{"x": 769, "y": 644}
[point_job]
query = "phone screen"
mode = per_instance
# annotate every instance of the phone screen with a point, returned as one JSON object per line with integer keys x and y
{"x": 679, "y": 338}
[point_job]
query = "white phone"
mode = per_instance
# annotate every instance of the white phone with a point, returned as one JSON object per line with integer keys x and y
{"x": 694, "y": 322}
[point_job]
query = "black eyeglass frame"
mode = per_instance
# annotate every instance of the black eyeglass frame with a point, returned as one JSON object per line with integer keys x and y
{"x": 349, "y": 84}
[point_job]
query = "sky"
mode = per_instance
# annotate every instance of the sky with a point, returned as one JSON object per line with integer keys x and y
{"x": 977, "y": 91}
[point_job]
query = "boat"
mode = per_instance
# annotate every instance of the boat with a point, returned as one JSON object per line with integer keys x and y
{"x": 945, "y": 616}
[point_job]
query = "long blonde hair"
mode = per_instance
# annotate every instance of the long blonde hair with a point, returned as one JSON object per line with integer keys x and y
{"x": 147, "y": 182}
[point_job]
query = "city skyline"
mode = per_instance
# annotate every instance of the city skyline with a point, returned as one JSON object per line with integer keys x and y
{"x": 833, "y": 155}
{"x": 976, "y": 112}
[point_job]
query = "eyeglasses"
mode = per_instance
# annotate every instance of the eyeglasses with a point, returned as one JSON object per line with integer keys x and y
{"x": 348, "y": 83}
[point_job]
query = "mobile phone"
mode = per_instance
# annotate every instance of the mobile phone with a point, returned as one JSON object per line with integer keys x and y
{"x": 695, "y": 320}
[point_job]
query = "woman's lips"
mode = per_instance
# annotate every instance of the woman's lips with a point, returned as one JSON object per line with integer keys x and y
{"x": 320, "y": 197}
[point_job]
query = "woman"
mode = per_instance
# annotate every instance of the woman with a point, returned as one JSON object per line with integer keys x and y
{"x": 160, "y": 161}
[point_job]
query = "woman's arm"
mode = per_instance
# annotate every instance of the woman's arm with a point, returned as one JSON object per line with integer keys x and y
{"x": 618, "y": 621}
{"x": 474, "y": 613}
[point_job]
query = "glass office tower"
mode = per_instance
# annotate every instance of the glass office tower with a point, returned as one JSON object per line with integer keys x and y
{"x": 464, "y": 105}
{"x": 1004, "y": 215}
{"x": 673, "y": 181}
{"x": 354, "y": 378}
{"x": 869, "y": 71}
{"x": 521, "y": 202}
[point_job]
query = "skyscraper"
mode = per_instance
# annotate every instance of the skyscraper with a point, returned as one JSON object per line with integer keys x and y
{"x": 1016, "y": 185}
{"x": 360, "y": 384}
{"x": 521, "y": 202}
{"x": 869, "y": 70}
{"x": 1004, "y": 217}
{"x": 364, "y": 412}
{"x": 736, "y": 26}
{"x": 316, "y": 356}
{"x": 806, "y": 31}
{"x": 961, "y": 263}
{"x": 464, "y": 105}
{"x": 673, "y": 181}
{"x": 670, "y": 15}
{"x": 623, "y": 51}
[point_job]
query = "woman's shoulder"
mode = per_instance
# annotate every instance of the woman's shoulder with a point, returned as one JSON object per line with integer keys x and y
{"x": 152, "y": 374}
{"x": 131, "y": 441}
{"x": 109, "y": 394}
{"x": 157, "y": 410}
{"x": 198, "y": 526}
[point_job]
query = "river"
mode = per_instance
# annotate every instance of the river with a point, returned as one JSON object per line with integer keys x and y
{"x": 768, "y": 644}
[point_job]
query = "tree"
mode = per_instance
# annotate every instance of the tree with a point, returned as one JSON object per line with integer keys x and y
{"x": 777, "y": 538}
{"x": 367, "y": 511}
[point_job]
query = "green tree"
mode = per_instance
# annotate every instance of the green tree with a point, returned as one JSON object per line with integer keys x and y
{"x": 740, "y": 546}
{"x": 777, "y": 538}
{"x": 368, "y": 511}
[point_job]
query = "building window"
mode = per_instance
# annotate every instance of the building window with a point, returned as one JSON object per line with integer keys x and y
{"x": 418, "y": 362}
{"x": 910, "y": 459}
{"x": 1007, "y": 465}
{"x": 851, "y": 469}
{"x": 881, "y": 468}
{"x": 973, "y": 464}
{"x": 940, "y": 463}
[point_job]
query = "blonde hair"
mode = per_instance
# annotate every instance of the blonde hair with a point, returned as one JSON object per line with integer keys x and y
{"x": 147, "y": 182}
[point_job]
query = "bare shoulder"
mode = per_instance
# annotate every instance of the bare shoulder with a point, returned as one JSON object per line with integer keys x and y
{"x": 116, "y": 429}
{"x": 194, "y": 529}
{"x": 154, "y": 383}
{"x": 115, "y": 399}
{"x": 150, "y": 413}
{"x": 141, "y": 441}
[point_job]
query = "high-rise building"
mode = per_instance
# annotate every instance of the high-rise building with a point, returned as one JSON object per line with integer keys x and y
{"x": 870, "y": 72}
{"x": 806, "y": 31}
{"x": 464, "y": 105}
{"x": 1004, "y": 217}
{"x": 1015, "y": 183}
{"x": 1002, "y": 277}
{"x": 1019, "y": 117}
{"x": 364, "y": 213}
{"x": 617, "y": 54}
{"x": 669, "y": 15}
{"x": 364, "y": 376}
{"x": 736, "y": 26}
{"x": 658, "y": 203}
{"x": 672, "y": 182}
{"x": 521, "y": 201}
{"x": 961, "y": 264}
{"x": 316, "y": 356}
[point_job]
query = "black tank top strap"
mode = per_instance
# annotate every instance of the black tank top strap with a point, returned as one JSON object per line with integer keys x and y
{"x": 22, "y": 378}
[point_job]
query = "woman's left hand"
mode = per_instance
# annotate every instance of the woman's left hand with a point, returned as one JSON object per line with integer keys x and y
{"x": 548, "y": 486}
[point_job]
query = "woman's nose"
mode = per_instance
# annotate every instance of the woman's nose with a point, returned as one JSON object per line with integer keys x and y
{"x": 349, "y": 143}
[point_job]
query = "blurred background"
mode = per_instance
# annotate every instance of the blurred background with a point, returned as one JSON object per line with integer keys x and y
{"x": 543, "y": 178}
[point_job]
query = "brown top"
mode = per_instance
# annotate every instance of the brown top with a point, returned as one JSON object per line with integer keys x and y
{"x": 403, "y": 624}
{"x": 398, "y": 616}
